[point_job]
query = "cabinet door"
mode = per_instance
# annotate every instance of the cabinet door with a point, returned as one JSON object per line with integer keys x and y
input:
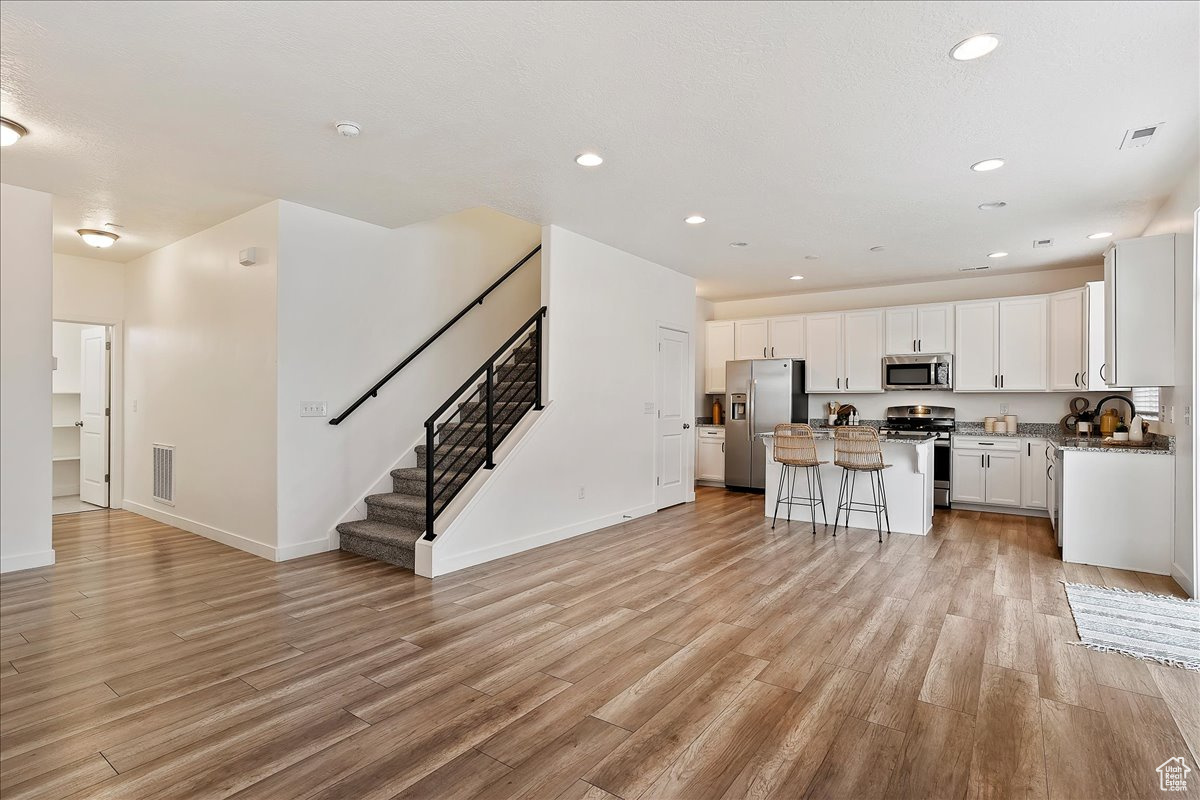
{"x": 1066, "y": 341}
{"x": 786, "y": 337}
{"x": 710, "y": 459}
{"x": 935, "y": 329}
{"x": 1139, "y": 280}
{"x": 750, "y": 338}
{"x": 1023, "y": 347}
{"x": 823, "y": 362}
{"x": 862, "y": 348}
{"x": 1002, "y": 486}
{"x": 976, "y": 347}
{"x": 1095, "y": 368}
{"x": 1034, "y": 481}
{"x": 900, "y": 331}
{"x": 968, "y": 483}
{"x": 718, "y": 348}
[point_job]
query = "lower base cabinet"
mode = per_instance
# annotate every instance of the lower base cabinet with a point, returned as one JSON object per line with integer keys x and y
{"x": 999, "y": 472}
{"x": 710, "y": 455}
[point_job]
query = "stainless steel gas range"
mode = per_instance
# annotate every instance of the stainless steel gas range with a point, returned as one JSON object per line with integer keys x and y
{"x": 921, "y": 421}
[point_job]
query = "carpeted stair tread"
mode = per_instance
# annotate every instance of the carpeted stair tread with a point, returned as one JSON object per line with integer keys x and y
{"x": 400, "y": 502}
{"x": 383, "y": 532}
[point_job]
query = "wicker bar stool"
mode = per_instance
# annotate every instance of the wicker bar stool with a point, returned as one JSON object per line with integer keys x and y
{"x": 795, "y": 449}
{"x": 858, "y": 450}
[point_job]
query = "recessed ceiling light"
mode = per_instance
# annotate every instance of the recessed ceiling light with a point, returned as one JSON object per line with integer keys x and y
{"x": 988, "y": 164}
{"x": 992, "y": 206}
{"x": 98, "y": 238}
{"x": 694, "y": 219}
{"x": 347, "y": 128}
{"x": 796, "y": 278}
{"x": 10, "y": 132}
{"x": 1101, "y": 235}
{"x": 588, "y": 160}
{"x": 876, "y": 248}
{"x": 997, "y": 254}
{"x": 739, "y": 244}
{"x": 975, "y": 47}
{"x": 811, "y": 258}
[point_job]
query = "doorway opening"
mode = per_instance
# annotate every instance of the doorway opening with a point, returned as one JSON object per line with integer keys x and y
{"x": 81, "y": 417}
{"x": 672, "y": 435}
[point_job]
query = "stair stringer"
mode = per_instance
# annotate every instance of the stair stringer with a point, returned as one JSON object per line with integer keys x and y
{"x": 382, "y": 485}
{"x": 426, "y": 564}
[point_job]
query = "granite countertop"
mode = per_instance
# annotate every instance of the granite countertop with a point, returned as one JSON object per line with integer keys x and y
{"x": 1155, "y": 444}
{"x": 826, "y": 434}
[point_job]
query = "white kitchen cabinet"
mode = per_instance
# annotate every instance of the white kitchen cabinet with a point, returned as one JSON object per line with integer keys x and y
{"x": 1095, "y": 369}
{"x": 1003, "y": 468}
{"x": 1023, "y": 328}
{"x": 823, "y": 363}
{"x": 718, "y": 348}
{"x": 1068, "y": 355}
{"x": 710, "y": 455}
{"x": 986, "y": 470}
{"x": 968, "y": 484}
{"x": 976, "y": 346}
{"x": 750, "y": 338}
{"x": 862, "y": 351}
{"x": 1139, "y": 319}
{"x": 919, "y": 329}
{"x": 1035, "y": 462}
{"x": 785, "y": 337}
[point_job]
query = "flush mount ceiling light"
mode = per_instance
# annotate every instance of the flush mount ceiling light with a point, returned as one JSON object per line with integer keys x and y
{"x": 588, "y": 160}
{"x": 1101, "y": 235}
{"x": 695, "y": 219}
{"x": 975, "y": 47}
{"x": 348, "y": 129}
{"x": 995, "y": 206}
{"x": 988, "y": 164}
{"x": 796, "y": 278}
{"x": 997, "y": 254}
{"x": 739, "y": 244}
{"x": 98, "y": 238}
{"x": 811, "y": 258}
{"x": 10, "y": 132}
{"x": 876, "y": 248}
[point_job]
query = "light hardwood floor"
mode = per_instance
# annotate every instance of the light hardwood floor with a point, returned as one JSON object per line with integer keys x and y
{"x": 689, "y": 654}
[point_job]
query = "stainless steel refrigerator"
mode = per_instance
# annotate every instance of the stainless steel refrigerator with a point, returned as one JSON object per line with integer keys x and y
{"x": 759, "y": 394}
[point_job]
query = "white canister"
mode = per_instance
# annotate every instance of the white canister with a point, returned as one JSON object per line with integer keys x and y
{"x": 1011, "y": 421}
{"x": 989, "y": 424}
{"x": 1000, "y": 427}
{"x": 1083, "y": 428}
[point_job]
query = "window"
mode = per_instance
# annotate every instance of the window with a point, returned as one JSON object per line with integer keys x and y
{"x": 1145, "y": 402}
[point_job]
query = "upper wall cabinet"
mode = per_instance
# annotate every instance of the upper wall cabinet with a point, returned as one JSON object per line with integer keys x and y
{"x": 823, "y": 365}
{"x": 751, "y": 339}
{"x": 718, "y": 348}
{"x": 1068, "y": 355}
{"x": 1001, "y": 345}
{"x": 919, "y": 329}
{"x": 1139, "y": 319}
{"x": 844, "y": 352}
{"x": 1095, "y": 368}
{"x": 786, "y": 337}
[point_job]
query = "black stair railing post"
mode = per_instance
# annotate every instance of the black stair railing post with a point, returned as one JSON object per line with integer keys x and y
{"x": 537, "y": 364}
{"x": 490, "y": 414}
{"x": 429, "y": 456}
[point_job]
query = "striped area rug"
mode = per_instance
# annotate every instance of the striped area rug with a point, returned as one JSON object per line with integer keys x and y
{"x": 1149, "y": 626}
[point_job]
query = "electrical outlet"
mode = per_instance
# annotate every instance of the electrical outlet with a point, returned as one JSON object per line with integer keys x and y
{"x": 580, "y": 492}
{"x": 1004, "y": 408}
{"x": 314, "y": 408}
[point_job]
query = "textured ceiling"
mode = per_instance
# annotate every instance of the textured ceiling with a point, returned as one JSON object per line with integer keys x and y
{"x": 801, "y": 128}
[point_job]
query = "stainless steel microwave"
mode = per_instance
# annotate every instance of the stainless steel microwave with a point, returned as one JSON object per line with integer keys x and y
{"x": 919, "y": 372}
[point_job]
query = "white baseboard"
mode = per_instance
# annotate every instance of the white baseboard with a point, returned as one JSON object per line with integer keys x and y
{"x": 442, "y": 566}
{"x": 207, "y": 531}
{"x": 1010, "y": 510}
{"x": 27, "y": 561}
{"x": 1183, "y": 580}
{"x": 309, "y": 548}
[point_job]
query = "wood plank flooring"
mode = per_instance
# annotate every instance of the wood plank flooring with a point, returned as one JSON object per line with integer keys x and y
{"x": 690, "y": 654}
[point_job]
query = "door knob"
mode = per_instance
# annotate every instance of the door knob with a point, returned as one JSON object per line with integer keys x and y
{"x": 79, "y": 424}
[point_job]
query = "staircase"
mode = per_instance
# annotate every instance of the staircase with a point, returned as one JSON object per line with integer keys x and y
{"x": 457, "y": 445}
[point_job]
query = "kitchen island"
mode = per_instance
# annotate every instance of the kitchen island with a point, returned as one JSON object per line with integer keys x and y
{"x": 909, "y": 484}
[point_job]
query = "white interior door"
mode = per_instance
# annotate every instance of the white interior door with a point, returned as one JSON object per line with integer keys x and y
{"x": 672, "y": 427}
{"x": 93, "y": 407}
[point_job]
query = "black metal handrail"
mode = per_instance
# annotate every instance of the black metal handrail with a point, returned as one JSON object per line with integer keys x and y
{"x": 478, "y": 301}
{"x": 474, "y": 454}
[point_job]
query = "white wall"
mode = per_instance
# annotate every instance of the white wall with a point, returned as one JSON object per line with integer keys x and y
{"x": 201, "y": 375}
{"x": 980, "y": 287}
{"x": 354, "y": 299}
{"x": 605, "y": 306}
{"x": 25, "y": 344}
{"x": 704, "y": 312}
{"x": 1178, "y": 216}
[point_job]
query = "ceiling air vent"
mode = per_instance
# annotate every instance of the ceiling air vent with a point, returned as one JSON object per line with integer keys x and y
{"x": 1139, "y": 137}
{"x": 1043, "y": 243}
{"x": 972, "y": 269}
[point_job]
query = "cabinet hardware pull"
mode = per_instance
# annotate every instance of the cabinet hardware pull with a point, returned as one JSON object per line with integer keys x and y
{"x": 1001, "y": 381}
{"x": 1049, "y": 467}
{"x": 995, "y": 381}
{"x": 1029, "y": 449}
{"x": 764, "y": 352}
{"x": 839, "y": 383}
{"x": 914, "y": 345}
{"x": 919, "y": 345}
{"x": 987, "y": 444}
{"x": 772, "y": 352}
{"x": 1076, "y": 378}
{"x": 722, "y": 447}
{"x": 982, "y": 461}
{"x": 1102, "y": 366}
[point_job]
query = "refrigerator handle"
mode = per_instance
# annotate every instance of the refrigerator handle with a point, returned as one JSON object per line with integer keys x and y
{"x": 750, "y": 409}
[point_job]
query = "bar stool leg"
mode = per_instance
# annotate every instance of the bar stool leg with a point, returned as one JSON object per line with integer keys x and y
{"x": 821, "y": 489}
{"x": 883, "y": 491}
{"x": 837, "y": 512}
{"x": 779, "y": 494}
{"x": 875, "y": 507}
{"x": 812, "y": 501}
{"x": 850, "y": 499}
{"x": 791, "y": 496}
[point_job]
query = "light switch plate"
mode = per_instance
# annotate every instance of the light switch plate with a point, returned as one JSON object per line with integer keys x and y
{"x": 314, "y": 408}
{"x": 648, "y": 408}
